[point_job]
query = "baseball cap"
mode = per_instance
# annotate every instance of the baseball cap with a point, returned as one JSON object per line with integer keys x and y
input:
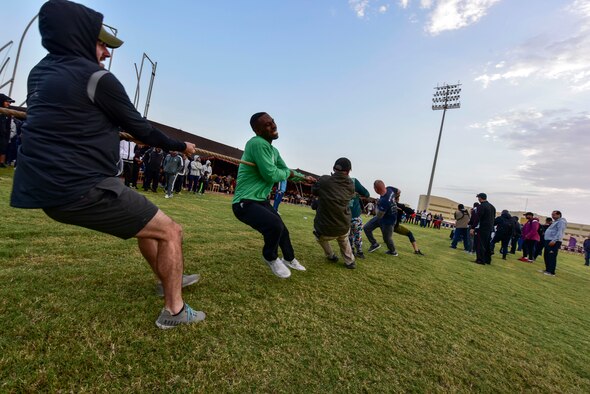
{"x": 482, "y": 195}
{"x": 110, "y": 40}
{"x": 343, "y": 164}
{"x": 4, "y": 98}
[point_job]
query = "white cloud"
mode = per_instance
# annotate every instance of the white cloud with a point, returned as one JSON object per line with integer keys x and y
{"x": 383, "y": 9}
{"x": 554, "y": 146}
{"x": 456, "y": 14}
{"x": 359, "y": 7}
{"x": 564, "y": 58}
{"x": 404, "y": 3}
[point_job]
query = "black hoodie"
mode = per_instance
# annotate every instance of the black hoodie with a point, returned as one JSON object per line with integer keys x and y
{"x": 70, "y": 142}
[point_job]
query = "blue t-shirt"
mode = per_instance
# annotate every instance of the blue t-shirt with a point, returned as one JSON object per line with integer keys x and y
{"x": 387, "y": 204}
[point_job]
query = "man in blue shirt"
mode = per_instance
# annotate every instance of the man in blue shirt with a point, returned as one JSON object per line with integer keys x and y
{"x": 553, "y": 238}
{"x": 386, "y": 217}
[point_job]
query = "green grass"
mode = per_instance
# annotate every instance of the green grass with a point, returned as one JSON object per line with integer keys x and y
{"x": 78, "y": 311}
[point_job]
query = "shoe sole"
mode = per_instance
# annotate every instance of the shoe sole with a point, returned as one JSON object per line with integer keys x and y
{"x": 372, "y": 250}
{"x": 200, "y": 317}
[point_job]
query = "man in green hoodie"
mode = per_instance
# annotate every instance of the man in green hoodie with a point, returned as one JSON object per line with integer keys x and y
{"x": 253, "y": 185}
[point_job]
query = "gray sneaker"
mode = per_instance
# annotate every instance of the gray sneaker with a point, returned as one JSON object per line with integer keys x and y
{"x": 188, "y": 315}
{"x": 187, "y": 280}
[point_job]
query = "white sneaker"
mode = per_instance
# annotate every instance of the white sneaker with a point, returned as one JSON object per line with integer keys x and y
{"x": 294, "y": 264}
{"x": 278, "y": 268}
{"x": 166, "y": 196}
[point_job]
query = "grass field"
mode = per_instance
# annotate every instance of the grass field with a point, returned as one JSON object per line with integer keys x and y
{"x": 78, "y": 311}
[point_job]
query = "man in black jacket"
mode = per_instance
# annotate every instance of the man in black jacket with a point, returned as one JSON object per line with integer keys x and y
{"x": 482, "y": 229}
{"x": 68, "y": 161}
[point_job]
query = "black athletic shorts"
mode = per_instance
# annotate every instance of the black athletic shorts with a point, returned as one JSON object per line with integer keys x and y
{"x": 109, "y": 207}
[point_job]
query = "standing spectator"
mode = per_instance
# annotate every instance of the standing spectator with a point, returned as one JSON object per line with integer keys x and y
{"x": 137, "y": 162}
{"x": 126, "y": 154}
{"x": 587, "y": 251}
{"x": 504, "y": 229}
{"x": 356, "y": 223}
{"x": 386, "y": 217}
{"x": 530, "y": 234}
{"x": 194, "y": 174}
{"x": 206, "y": 172}
{"x": 516, "y": 234}
{"x": 423, "y": 217}
{"x": 571, "y": 245}
{"x": 482, "y": 229}
{"x": 172, "y": 166}
{"x": 5, "y": 122}
{"x": 179, "y": 184}
{"x": 250, "y": 204}
{"x": 428, "y": 220}
{"x": 472, "y": 220}
{"x": 152, "y": 160}
{"x": 541, "y": 244}
{"x": 280, "y": 192}
{"x": 462, "y": 217}
{"x": 553, "y": 238}
{"x": 333, "y": 217}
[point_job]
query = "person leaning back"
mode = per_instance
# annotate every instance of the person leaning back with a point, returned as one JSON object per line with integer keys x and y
{"x": 68, "y": 158}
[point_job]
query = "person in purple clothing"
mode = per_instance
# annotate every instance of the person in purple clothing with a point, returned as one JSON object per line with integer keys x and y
{"x": 587, "y": 251}
{"x": 530, "y": 234}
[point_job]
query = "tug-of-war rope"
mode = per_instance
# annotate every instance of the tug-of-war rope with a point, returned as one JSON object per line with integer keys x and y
{"x": 128, "y": 137}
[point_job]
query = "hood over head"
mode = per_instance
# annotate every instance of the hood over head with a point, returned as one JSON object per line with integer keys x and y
{"x": 69, "y": 29}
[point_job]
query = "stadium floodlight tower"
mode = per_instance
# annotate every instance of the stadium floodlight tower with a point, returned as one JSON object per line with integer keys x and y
{"x": 445, "y": 97}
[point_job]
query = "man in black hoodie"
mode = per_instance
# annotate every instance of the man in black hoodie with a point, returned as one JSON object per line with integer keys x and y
{"x": 68, "y": 161}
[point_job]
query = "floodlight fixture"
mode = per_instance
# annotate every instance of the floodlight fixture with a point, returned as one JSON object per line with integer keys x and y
{"x": 445, "y": 97}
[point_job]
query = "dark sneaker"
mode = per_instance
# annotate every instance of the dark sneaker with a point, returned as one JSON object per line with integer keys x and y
{"x": 374, "y": 247}
{"x": 419, "y": 252}
{"x": 350, "y": 266}
{"x": 187, "y": 315}
{"x": 360, "y": 255}
{"x": 333, "y": 258}
{"x": 187, "y": 280}
{"x": 394, "y": 253}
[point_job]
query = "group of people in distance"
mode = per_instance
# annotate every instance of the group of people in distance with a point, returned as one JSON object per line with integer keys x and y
{"x": 480, "y": 230}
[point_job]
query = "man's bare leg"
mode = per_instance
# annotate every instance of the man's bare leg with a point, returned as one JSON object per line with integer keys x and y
{"x": 160, "y": 243}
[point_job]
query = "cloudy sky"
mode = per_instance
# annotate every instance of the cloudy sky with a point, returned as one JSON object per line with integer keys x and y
{"x": 355, "y": 78}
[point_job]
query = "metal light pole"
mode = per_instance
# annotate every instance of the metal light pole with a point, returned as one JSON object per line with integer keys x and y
{"x": 138, "y": 74}
{"x": 445, "y": 97}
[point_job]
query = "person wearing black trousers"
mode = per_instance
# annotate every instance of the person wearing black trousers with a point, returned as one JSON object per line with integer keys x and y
{"x": 482, "y": 229}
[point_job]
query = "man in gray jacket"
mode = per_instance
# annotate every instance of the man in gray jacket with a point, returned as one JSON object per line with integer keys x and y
{"x": 553, "y": 238}
{"x": 172, "y": 166}
{"x": 332, "y": 220}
